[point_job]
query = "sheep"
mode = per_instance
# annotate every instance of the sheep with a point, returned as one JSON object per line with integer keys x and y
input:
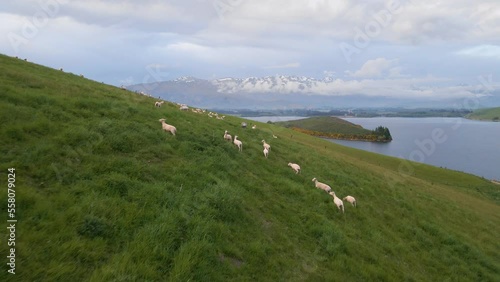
{"x": 254, "y": 126}
{"x": 244, "y": 124}
{"x": 227, "y": 136}
{"x": 159, "y": 103}
{"x": 266, "y": 152}
{"x": 183, "y": 107}
{"x": 267, "y": 146}
{"x": 338, "y": 202}
{"x": 167, "y": 127}
{"x": 351, "y": 200}
{"x": 238, "y": 143}
{"x": 274, "y": 136}
{"x": 321, "y": 185}
{"x": 295, "y": 167}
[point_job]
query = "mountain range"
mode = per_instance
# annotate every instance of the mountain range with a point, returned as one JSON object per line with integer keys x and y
{"x": 282, "y": 92}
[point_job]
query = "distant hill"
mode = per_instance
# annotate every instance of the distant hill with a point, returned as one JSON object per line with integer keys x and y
{"x": 491, "y": 114}
{"x": 333, "y": 127}
{"x": 101, "y": 193}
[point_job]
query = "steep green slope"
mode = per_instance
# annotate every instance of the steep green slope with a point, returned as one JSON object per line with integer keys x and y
{"x": 103, "y": 194}
{"x": 491, "y": 114}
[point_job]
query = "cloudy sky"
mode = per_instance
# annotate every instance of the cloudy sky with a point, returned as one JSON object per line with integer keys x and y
{"x": 376, "y": 46}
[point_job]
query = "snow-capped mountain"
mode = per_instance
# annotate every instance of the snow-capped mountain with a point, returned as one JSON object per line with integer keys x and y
{"x": 281, "y": 91}
{"x": 276, "y": 84}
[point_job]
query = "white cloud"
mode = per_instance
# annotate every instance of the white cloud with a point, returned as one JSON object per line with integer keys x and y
{"x": 187, "y": 47}
{"x": 111, "y": 40}
{"x": 376, "y": 68}
{"x": 491, "y": 51}
{"x": 285, "y": 66}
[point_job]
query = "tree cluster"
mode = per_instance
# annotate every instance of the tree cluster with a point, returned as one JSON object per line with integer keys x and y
{"x": 383, "y": 132}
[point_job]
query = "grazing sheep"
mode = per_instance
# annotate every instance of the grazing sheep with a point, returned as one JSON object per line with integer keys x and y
{"x": 159, "y": 103}
{"x": 254, "y": 126}
{"x": 295, "y": 167}
{"x": 167, "y": 127}
{"x": 183, "y": 107}
{"x": 266, "y": 152}
{"x": 351, "y": 200}
{"x": 321, "y": 185}
{"x": 244, "y": 124}
{"x": 238, "y": 143}
{"x": 227, "y": 136}
{"x": 267, "y": 146}
{"x": 338, "y": 202}
{"x": 274, "y": 136}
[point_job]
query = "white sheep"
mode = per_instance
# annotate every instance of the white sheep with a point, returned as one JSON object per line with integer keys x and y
{"x": 266, "y": 152}
{"x": 351, "y": 200}
{"x": 183, "y": 107}
{"x": 267, "y": 146}
{"x": 238, "y": 143}
{"x": 167, "y": 127}
{"x": 338, "y": 202}
{"x": 254, "y": 126}
{"x": 295, "y": 167}
{"x": 159, "y": 103}
{"x": 321, "y": 185}
{"x": 227, "y": 136}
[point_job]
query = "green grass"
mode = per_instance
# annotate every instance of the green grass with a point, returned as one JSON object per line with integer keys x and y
{"x": 103, "y": 194}
{"x": 491, "y": 114}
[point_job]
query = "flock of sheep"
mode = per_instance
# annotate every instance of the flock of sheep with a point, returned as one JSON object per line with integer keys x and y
{"x": 338, "y": 202}
{"x": 266, "y": 148}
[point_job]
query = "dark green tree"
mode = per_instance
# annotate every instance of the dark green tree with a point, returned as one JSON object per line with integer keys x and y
{"x": 383, "y": 132}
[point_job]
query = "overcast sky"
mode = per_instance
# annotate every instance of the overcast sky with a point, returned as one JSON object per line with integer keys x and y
{"x": 450, "y": 46}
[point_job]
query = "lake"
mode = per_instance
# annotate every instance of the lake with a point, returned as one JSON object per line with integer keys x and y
{"x": 455, "y": 143}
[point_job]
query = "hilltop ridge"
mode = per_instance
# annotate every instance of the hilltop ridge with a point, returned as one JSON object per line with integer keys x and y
{"x": 337, "y": 128}
{"x": 102, "y": 193}
{"x": 489, "y": 114}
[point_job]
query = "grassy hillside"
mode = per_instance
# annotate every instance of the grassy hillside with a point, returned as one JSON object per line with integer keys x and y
{"x": 333, "y": 127}
{"x": 491, "y": 114}
{"x": 103, "y": 194}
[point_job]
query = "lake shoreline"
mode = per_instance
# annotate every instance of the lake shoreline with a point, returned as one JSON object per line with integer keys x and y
{"x": 442, "y": 142}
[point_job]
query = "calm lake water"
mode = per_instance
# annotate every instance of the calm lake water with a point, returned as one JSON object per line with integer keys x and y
{"x": 454, "y": 143}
